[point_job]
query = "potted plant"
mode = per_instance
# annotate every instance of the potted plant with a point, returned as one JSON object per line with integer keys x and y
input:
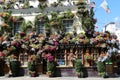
{"x": 101, "y": 69}
{"x": 109, "y": 66}
{"x": 2, "y": 63}
{"x": 14, "y": 65}
{"x": 78, "y": 68}
{"x": 50, "y": 66}
{"x": 32, "y": 65}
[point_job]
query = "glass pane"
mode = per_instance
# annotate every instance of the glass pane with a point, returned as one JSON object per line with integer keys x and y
{"x": 41, "y": 27}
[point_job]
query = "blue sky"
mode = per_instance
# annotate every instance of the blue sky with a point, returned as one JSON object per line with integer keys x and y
{"x": 103, "y": 17}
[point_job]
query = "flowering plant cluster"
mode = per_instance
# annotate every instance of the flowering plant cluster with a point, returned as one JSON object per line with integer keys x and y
{"x": 48, "y": 57}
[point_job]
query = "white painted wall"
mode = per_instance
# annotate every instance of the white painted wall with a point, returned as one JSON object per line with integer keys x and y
{"x": 31, "y": 17}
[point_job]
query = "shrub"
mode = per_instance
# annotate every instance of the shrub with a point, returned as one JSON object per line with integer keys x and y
{"x": 15, "y": 67}
{"x": 51, "y": 68}
{"x": 79, "y": 68}
{"x": 101, "y": 68}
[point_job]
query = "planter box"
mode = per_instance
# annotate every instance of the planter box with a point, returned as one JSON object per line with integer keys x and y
{"x": 39, "y": 68}
{"x": 109, "y": 68}
{"x": 70, "y": 72}
{"x": 65, "y": 71}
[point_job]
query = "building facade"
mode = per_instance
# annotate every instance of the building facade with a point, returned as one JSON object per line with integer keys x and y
{"x": 53, "y": 17}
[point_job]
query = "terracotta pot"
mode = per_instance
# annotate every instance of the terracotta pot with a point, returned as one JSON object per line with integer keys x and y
{"x": 48, "y": 74}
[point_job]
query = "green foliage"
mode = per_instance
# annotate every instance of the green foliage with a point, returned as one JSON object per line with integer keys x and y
{"x": 15, "y": 67}
{"x": 108, "y": 61}
{"x": 101, "y": 68}
{"x": 68, "y": 14}
{"x": 26, "y": 4}
{"x": 51, "y": 67}
{"x": 78, "y": 66}
{"x": 29, "y": 24}
{"x": 23, "y": 26}
{"x": 42, "y": 5}
{"x": 31, "y": 66}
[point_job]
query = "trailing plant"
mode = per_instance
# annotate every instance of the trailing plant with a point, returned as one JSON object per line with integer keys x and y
{"x": 26, "y": 4}
{"x": 55, "y": 4}
{"x": 41, "y": 18}
{"x": 29, "y": 24}
{"x": 68, "y": 15}
{"x": 55, "y": 22}
{"x": 42, "y": 5}
{"x": 23, "y": 26}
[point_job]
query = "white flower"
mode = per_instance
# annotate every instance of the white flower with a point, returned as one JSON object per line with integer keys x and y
{"x": 109, "y": 54}
{"x": 113, "y": 41}
{"x": 114, "y": 49}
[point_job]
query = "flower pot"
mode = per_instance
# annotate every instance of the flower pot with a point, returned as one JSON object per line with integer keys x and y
{"x": 81, "y": 75}
{"x": 109, "y": 68}
{"x": 2, "y": 65}
{"x": 32, "y": 74}
{"x": 48, "y": 74}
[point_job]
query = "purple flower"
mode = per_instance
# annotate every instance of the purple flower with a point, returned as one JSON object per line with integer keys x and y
{"x": 55, "y": 43}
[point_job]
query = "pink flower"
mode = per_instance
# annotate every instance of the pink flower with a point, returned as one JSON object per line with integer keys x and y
{"x": 52, "y": 48}
{"x": 13, "y": 43}
{"x": 50, "y": 58}
{"x": 55, "y": 43}
{"x": 44, "y": 55}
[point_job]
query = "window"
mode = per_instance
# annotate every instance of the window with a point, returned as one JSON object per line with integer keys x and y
{"x": 17, "y": 27}
{"x": 23, "y": 57}
{"x": 67, "y": 53}
{"x": 41, "y": 27}
{"x": 68, "y": 25}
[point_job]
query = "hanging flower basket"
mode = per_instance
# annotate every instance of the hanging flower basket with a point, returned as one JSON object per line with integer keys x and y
{"x": 53, "y": 23}
{"x": 4, "y": 25}
{"x": 22, "y": 34}
{"x": 12, "y": 18}
{"x": 3, "y": 14}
